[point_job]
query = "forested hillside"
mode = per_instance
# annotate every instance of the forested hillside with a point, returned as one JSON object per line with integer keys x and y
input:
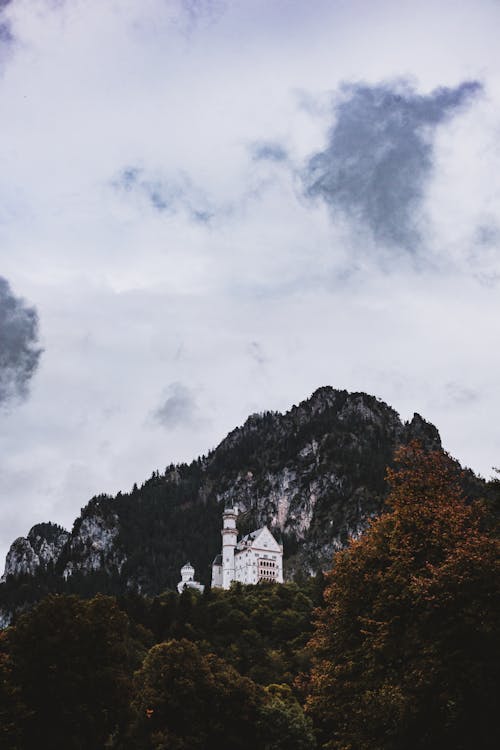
{"x": 314, "y": 475}
{"x": 396, "y": 647}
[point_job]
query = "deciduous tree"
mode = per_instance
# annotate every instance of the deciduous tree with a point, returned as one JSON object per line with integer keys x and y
{"x": 406, "y": 648}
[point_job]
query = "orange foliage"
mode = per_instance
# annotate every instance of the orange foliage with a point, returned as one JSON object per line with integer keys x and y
{"x": 406, "y": 653}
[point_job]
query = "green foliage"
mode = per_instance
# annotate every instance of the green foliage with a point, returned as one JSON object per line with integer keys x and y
{"x": 67, "y": 670}
{"x": 282, "y": 722}
{"x": 70, "y": 664}
{"x": 260, "y": 630}
{"x": 13, "y": 713}
{"x": 188, "y": 700}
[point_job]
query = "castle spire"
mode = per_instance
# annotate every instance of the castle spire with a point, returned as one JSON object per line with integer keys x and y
{"x": 229, "y": 538}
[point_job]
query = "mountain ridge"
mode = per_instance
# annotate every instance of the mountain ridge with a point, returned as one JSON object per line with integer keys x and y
{"x": 314, "y": 474}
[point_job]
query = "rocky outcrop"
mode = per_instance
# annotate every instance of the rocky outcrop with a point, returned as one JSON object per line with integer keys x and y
{"x": 316, "y": 473}
{"x": 92, "y": 545}
{"x": 21, "y": 558}
{"x": 34, "y": 553}
{"x": 424, "y": 432}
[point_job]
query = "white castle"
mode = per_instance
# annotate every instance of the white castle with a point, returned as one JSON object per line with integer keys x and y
{"x": 187, "y": 580}
{"x": 256, "y": 557}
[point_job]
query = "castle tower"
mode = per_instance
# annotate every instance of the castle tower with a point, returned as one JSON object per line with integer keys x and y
{"x": 187, "y": 579}
{"x": 229, "y": 538}
{"x": 187, "y": 574}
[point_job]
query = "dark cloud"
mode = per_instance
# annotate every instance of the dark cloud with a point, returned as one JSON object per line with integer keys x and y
{"x": 19, "y": 353}
{"x": 5, "y": 32}
{"x": 160, "y": 195}
{"x": 6, "y": 36}
{"x": 165, "y": 196}
{"x": 178, "y": 408}
{"x": 379, "y": 155}
{"x": 268, "y": 151}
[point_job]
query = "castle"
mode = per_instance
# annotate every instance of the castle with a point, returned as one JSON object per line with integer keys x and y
{"x": 187, "y": 580}
{"x": 256, "y": 557}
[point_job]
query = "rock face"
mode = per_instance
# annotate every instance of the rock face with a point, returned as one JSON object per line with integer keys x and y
{"x": 314, "y": 475}
{"x": 33, "y": 553}
{"x": 317, "y": 471}
{"x": 92, "y": 545}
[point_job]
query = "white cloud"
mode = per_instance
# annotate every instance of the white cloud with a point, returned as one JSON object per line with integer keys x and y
{"x": 269, "y": 298}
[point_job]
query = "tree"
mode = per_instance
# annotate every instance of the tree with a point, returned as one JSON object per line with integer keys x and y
{"x": 13, "y": 713}
{"x": 282, "y": 722}
{"x": 70, "y": 662}
{"x": 406, "y": 647}
{"x": 187, "y": 700}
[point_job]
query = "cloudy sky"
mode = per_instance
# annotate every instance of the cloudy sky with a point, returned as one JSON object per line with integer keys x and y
{"x": 212, "y": 207}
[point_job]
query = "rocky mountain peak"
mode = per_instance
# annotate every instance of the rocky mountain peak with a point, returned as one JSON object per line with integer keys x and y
{"x": 425, "y": 432}
{"x": 43, "y": 545}
{"x": 321, "y": 400}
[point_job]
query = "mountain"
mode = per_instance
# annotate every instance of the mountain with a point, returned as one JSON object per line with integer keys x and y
{"x": 314, "y": 475}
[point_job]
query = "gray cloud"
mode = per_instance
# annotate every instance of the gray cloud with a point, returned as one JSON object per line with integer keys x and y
{"x": 160, "y": 195}
{"x": 268, "y": 151}
{"x": 19, "y": 353}
{"x": 178, "y": 408}
{"x": 379, "y": 155}
{"x": 257, "y": 353}
{"x": 461, "y": 394}
{"x": 488, "y": 234}
{"x": 6, "y": 36}
{"x": 165, "y": 196}
{"x": 207, "y": 10}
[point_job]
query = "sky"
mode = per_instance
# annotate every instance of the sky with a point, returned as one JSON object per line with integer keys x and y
{"x": 210, "y": 208}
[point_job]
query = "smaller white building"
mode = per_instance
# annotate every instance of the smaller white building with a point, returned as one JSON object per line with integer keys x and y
{"x": 187, "y": 580}
{"x": 256, "y": 557}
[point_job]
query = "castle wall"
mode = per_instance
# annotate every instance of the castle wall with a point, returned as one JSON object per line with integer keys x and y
{"x": 217, "y": 576}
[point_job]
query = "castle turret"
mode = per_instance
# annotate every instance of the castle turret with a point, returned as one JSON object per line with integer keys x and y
{"x": 187, "y": 579}
{"x": 229, "y": 538}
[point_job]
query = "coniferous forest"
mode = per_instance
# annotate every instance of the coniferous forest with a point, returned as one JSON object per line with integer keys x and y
{"x": 396, "y": 647}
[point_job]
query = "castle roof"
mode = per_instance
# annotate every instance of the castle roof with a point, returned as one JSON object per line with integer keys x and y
{"x": 252, "y": 536}
{"x": 217, "y": 560}
{"x": 252, "y": 539}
